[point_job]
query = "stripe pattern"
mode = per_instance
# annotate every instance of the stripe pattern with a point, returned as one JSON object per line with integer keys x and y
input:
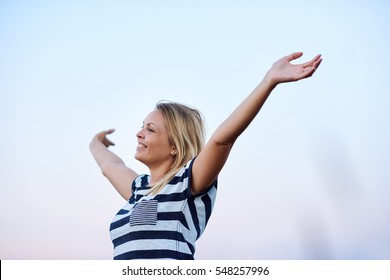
{"x": 144, "y": 213}
{"x": 162, "y": 226}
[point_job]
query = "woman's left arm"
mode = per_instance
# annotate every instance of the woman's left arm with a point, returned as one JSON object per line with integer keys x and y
{"x": 212, "y": 158}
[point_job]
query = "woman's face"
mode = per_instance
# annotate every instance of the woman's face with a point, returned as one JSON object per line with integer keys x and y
{"x": 154, "y": 148}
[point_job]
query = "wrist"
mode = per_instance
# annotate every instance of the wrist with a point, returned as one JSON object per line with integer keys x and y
{"x": 269, "y": 82}
{"x": 96, "y": 142}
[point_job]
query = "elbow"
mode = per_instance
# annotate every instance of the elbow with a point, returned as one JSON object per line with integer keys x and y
{"x": 224, "y": 137}
{"x": 222, "y": 142}
{"x": 105, "y": 169}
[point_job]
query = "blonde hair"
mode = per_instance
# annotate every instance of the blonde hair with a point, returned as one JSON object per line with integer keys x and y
{"x": 186, "y": 132}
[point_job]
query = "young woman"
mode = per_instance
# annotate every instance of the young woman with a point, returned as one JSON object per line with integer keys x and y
{"x": 168, "y": 210}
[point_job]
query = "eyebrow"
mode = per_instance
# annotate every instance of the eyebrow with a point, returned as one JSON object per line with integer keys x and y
{"x": 150, "y": 123}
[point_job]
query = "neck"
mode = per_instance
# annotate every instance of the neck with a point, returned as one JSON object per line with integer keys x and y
{"x": 158, "y": 172}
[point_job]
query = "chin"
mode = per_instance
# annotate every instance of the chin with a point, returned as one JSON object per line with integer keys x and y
{"x": 139, "y": 158}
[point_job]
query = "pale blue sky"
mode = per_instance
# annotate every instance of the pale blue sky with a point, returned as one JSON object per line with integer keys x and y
{"x": 308, "y": 179}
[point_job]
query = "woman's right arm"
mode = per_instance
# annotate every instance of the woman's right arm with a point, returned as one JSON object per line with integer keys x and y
{"x": 112, "y": 166}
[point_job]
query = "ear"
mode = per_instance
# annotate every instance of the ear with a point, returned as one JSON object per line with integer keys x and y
{"x": 173, "y": 151}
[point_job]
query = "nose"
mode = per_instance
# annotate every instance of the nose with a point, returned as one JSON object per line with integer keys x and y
{"x": 140, "y": 134}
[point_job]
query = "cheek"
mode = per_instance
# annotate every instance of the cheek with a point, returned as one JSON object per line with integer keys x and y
{"x": 160, "y": 145}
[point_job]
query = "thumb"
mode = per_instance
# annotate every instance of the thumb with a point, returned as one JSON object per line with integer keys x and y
{"x": 294, "y": 56}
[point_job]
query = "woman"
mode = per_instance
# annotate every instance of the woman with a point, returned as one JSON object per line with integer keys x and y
{"x": 168, "y": 210}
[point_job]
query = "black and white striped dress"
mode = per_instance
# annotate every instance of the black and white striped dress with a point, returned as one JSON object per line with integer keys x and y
{"x": 162, "y": 226}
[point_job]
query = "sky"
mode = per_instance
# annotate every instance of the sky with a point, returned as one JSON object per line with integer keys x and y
{"x": 309, "y": 178}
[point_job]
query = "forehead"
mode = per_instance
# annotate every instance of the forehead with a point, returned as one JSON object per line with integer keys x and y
{"x": 155, "y": 117}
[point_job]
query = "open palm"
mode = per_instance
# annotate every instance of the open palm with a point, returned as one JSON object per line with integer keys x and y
{"x": 283, "y": 70}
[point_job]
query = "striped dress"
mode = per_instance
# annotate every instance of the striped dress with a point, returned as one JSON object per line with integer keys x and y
{"x": 162, "y": 226}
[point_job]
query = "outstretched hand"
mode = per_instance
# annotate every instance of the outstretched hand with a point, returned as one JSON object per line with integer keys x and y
{"x": 283, "y": 71}
{"x": 102, "y": 137}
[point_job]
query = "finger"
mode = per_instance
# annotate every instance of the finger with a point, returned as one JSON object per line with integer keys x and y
{"x": 317, "y": 63}
{"x": 105, "y": 132}
{"x": 110, "y": 131}
{"x": 108, "y": 142}
{"x": 294, "y": 56}
{"x": 313, "y": 61}
{"x": 306, "y": 73}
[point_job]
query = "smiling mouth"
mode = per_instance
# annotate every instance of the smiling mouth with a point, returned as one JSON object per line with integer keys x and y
{"x": 141, "y": 146}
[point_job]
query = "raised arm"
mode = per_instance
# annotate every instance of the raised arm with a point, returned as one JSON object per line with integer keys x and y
{"x": 113, "y": 167}
{"x": 212, "y": 158}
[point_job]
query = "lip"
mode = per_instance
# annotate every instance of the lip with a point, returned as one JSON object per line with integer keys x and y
{"x": 141, "y": 145}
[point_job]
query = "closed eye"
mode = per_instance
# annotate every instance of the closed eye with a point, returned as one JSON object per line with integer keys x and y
{"x": 149, "y": 127}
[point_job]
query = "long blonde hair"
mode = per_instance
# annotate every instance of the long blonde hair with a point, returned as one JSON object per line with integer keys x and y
{"x": 186, "y": 132}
